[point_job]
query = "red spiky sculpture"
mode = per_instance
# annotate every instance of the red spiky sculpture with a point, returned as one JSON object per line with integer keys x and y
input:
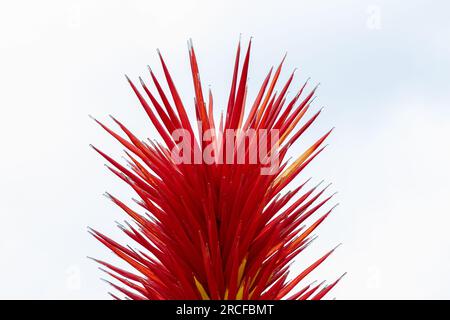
{"x": 217, "y": 230}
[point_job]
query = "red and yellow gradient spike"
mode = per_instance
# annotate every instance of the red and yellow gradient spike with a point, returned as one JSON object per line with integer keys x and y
{"x": 216, "y": 231}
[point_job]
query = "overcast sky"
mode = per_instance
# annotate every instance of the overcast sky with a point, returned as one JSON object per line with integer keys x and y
{"x": 384, "y": 69}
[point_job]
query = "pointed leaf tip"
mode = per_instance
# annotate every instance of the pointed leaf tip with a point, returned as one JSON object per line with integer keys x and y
{"x": 334, "y": 249}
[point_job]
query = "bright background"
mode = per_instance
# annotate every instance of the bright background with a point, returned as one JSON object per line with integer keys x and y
{"x": 384, "y": 73}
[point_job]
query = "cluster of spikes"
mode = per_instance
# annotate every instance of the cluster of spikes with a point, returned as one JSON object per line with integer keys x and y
{"x": 217, "y": 231}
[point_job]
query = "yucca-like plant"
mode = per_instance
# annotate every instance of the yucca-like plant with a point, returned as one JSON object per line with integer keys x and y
{"x": 217, "y": 229}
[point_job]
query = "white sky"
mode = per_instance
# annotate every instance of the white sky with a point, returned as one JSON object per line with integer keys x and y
{"x": 384, "y": 73}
